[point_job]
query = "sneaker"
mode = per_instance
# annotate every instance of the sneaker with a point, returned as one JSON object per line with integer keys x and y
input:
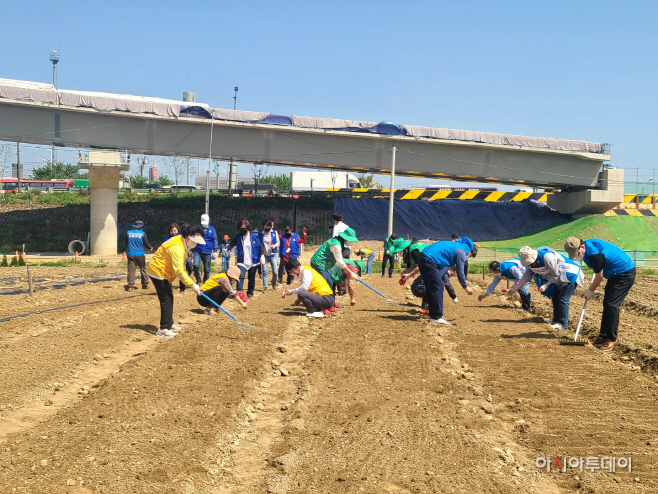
{"x": 557, "y": 325}
{"x": 425, "y": 306}
{"x": 145, "y": 287}
{"x": 332, "y": 309}
{"x": 209, "y": 311}
{"x": 455, "y": 300}
{"x": 267, "y": 289}
{"x": 175, "y": 328}
{"x": 337, "y": 306}
{"x": 607, "y": 346}
{"x": 131, "y": 289}
{"x": 181, "y": 293}
{"x": 548, "y": 321}
{"x": 315, "y": 314}
{"x": 440, "y": 320}
{"x": 166, "y": 333}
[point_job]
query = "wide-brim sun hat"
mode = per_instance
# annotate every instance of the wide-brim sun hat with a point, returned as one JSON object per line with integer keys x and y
{"x": 233, "y": 273}
{"x": 528, "y": 255}
{"x": 571, "y": 245}
{"x": 198, "y": 239}
{"x": 399, "y": 244}
{"x": 361, "y": 265}
{"x": 348, "y": 234}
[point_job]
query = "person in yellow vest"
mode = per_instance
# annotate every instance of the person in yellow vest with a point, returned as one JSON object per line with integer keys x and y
{"x": 314, "y": 292}
{"x": 368, "y": 257}
{"x": 220, "y": 286}
{"x": 167, "y": 264}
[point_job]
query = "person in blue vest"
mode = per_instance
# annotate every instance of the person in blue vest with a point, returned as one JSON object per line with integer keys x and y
{"x": 455, "y": 238}
{"x": 226, "y": 253}
{"x": 205, "y": 252}
{"x": 135, "y": 242}
{"x": 247, "y": 253}
{"x": 511, "y": 270}
{"x": 559, "y": 274}
{"x": 269, "y": 253}
{"x": 289, "y": 248}
{"x": 435, "y": 261}
{"x": 610, "y": 262}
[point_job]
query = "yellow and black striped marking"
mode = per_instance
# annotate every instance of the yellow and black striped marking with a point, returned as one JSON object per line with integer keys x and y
{"x": 433, "y": 195}
{"x": 633, "y": 212}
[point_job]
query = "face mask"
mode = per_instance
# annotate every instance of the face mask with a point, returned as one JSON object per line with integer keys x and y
{"x": 243, "y": 231}
{"x": 288, "y": 235}
{"x": 580, "y": 257}
{"x": 191, "y": 244}
{"x": 267, "y": 230}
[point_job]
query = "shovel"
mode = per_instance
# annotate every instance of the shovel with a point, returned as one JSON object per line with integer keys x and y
{"x": 243, "y": 325}
{"x": 389, "y": 300}
{"x": 576, "y": 342}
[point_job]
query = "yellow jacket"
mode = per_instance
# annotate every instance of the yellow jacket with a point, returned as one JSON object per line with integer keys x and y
{"x": 168, "y": 262}
{"x": 319, "y": 285}
{"x": 214, "y": 281}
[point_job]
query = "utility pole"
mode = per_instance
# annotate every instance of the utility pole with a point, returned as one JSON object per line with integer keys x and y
{"x": 391, "y": 197}
{"x": 231, "y": 167}
{"x": 18, "y": 165}
{"x": 208, "y": 191}
{"x": 143, "y": 161}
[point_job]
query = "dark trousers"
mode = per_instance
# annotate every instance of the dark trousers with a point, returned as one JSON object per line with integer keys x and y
{"x": 615, "y": 292}
{"x": 325, "y": 274}
{"x": 166, "y": 298}
{"x": 251, "y": 277}
{"x": 133, "y": 263}
{"x": 216, "y": 293}
{"x": 390, "y": 260}
{"x": 433, "y": 278}
{"x": 561, "y": 297}
{"x": 418, "y": 289}
{"x": 189, "y": 269}
{"x": 466, "y": 267}
{"x": 314, "y": 302}
{"x": 282, "y": 269}
{"x": 198, "y": 259}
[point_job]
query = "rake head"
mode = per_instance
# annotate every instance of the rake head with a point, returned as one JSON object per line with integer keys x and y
{"x": 248, "y": 327}
{"x": 391, "y": 301}
{"x": 569, "y": 341}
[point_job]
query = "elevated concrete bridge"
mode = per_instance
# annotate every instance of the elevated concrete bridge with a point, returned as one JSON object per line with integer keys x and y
{"x": 39, "y": 114}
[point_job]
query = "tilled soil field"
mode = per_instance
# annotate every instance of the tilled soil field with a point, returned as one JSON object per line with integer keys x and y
{"x": 372, "y": 399}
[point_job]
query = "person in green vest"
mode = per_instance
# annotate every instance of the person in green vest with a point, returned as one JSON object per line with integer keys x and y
{"x": 339, "y": 275}
{"x": 330, "y": 253}
{"x": 389, "y": 255}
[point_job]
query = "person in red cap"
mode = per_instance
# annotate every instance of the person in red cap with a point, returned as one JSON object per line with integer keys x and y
{"x": 226, "y": 253}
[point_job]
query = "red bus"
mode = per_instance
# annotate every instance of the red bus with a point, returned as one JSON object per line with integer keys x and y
{"x": 11, "y": 185}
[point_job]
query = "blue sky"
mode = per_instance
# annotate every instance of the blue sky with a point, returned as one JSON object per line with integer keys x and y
{"x": 575, "y": 70}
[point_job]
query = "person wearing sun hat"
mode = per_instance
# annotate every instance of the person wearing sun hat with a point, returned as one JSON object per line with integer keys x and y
{"x": 342, "y": 276}
{"x": 331, "y": 252}
{"x": 552, "y": 271}
{"x": 167, "y": 264}
{"x": 610, "y": 262}
{"x": 219, "y": 287}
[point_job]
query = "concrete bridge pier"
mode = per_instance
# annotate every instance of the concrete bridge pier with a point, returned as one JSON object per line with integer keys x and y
{"x": 591, "y": 201}
{"x": 104, "y": 171}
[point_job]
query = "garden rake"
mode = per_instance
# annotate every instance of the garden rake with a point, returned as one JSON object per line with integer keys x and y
{"x": 389, "y": 300}
{"x": 576, "y": 341}
{"x": 242, "y": 325}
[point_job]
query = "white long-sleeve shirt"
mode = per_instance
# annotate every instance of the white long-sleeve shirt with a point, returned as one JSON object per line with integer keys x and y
{"x": 338, "y": 255}
{"x": 307, "y": 278}
{"x": 267, "y": 243}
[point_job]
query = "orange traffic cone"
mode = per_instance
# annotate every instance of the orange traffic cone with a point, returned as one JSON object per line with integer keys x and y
{"x": 379, "y": 256}
{"x": 77, "y": 257}
{"x": 16, "y": 255}
{"x": 124, "y": 257}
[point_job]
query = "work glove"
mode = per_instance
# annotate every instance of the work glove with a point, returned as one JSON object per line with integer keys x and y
{"x": 262, "y": 260}
{"x": 505, "y": 290}
{"x": 304, "y": 231}
{"x": 543, "y": 288}
{"x": 352, "y": 275}
{"x": 196, "y": 289}
{"x": 283, "y": 295}
{"x": 588, "y": 294}
{"x": 214, "y": 256}
{"x": 241, "y": 296}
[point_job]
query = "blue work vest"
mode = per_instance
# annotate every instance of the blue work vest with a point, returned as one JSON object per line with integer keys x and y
{"x": 506, "y": 267}
{"x": 209, "y": 235}
{"x": 273, "y": 236}
{"x": 255, "y": 248}
{"x": 294, "y": 246}
{"x": 443, "y": 253}
{"x": 135, "y": 243}
{"x": 616, "y": 260}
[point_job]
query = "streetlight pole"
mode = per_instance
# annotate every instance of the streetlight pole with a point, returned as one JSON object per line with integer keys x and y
{"x": 54, "y": 59}
{"x": 391, "y": 197}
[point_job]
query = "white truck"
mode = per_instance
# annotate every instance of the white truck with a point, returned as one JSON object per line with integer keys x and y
{"x": 321, "y": 181}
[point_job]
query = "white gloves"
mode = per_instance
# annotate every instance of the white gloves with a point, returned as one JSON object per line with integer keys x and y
{"x": 588, "y": 294}
{"x": 544, "y": 287}
{"x": 196, "y": 289}
{"x": 262, "y": 260}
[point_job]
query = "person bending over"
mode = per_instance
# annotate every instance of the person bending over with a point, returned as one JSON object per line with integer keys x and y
{"x": 314, "y": 292}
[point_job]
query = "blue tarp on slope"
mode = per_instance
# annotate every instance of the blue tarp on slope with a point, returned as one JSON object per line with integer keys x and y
{"x": 478, "y": 220}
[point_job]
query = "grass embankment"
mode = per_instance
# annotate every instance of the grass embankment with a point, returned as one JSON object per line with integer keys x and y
{"x": 628, "y": 232}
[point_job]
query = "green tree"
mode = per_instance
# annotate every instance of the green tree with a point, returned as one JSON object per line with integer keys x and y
{"x": 14, "y": 262}
{"x": 367, "y": 181}
{"x": 59, "y": 170}
{"x": 164, "y": 180}
{"x": 4, "y": 262}
{"x": 138, "y": 182}
{"x": 21, "y": 261}
{"x": 281, "y": 182}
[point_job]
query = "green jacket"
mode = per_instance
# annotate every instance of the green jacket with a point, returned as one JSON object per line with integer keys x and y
{"x": 413, "y": 247}
{"x": 388, "y": 245}
{"x": 323, "y": 257}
